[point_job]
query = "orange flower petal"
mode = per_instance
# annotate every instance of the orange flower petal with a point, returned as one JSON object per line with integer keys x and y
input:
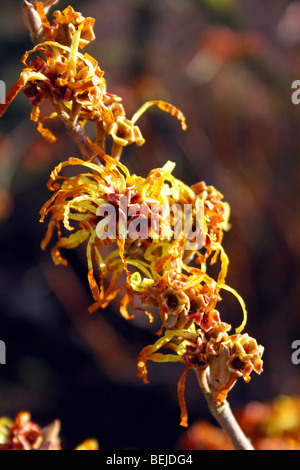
{"x": 164, "y": 106}
{"x": 46, "y": 25}
{"x": 181, "y": 399}
{"x": 26, "y": 75}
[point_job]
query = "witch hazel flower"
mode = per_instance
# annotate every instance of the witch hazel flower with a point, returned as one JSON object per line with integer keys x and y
{"x": 73, "y": 82}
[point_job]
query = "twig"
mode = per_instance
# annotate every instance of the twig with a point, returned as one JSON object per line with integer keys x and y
{"x": 77, "y": 133}
{"x": 224, "y": 416}
{"x": 79, "y": 137}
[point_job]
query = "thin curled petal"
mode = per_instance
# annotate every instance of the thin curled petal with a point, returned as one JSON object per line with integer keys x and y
{"x": 242, "y": 303}
{"x": 45, "y": 133}
{"x": 39, "y": 6}
{"x": 181, "y": 399}
{"x": 164, "y": 106}
{"x": 26, "y": 75}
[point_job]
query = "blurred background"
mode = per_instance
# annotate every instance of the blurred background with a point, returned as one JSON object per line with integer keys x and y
{"x": 229, "y": 66}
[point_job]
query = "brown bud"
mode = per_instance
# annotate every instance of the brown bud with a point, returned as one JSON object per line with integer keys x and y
{"x": 33, "y": 22}
{"x": 220, "y": 379}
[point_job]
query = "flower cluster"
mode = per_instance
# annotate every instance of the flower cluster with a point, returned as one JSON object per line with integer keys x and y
{"x": 25, "y": 434}
{"x": 73, "y": 82}
{"x": 151, "y": 239}
{"x": 206, "y": 344}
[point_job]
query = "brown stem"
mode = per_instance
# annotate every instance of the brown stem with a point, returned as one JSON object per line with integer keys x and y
{"x": 76, "y": 131}
{"x": 79, "y": 137}
{"x": 74, "y": 113}
{"x": 224, "y": 416}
